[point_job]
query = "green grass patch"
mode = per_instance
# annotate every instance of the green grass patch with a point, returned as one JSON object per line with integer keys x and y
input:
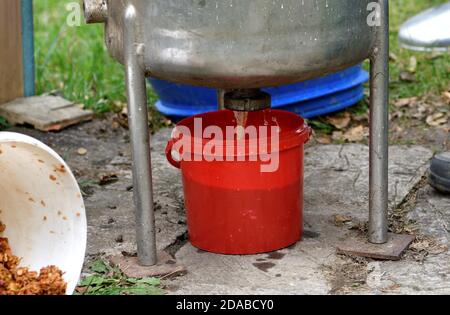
{"x": 3, "y": 123}
{"x": 106, "y": 280}
{"x": 74, "y": 61}
{"x": 432, "y": 74}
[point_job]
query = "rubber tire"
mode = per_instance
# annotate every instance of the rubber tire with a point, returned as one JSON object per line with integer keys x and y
{"x": 439, "y": 173}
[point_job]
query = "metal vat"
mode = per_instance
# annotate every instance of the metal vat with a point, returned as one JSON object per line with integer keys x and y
{"x": 243, "y": 44}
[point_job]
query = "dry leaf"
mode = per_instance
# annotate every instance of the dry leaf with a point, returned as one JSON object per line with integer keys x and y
{"x": 420, "y": 245}
{"x": 428, "y": 245}
{"x": 402, "y": 102}
{"x": 396, "y": 114}
{"x": 337, "y": 135}
{"x": 340, "y": 122}
{"x": 115, "y": 125}
{"x": 437, "y": 119}
{"x": 324, "y": 140}
{"x": 446, "y": 96}
{"x": 339, "y": 219}
{"x": 355, "y": 134}
{"x": 423, "y": 110}
{"x": 361, "y": 117}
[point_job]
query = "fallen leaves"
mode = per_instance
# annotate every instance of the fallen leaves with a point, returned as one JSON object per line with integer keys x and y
{"x": 324, "y": 139}
{"x": 437, "y": 119}
{"x": 340, "y": 122}
{"x": 446, "y": 96}
{"x": 337, "y": 135}
{"x": 425, "y": 246}
{"x": 428, "y": 244}
{"x": 430, "y": 109}
{"x": 340, "y": 220}
{"x": 402, "y": 102}
{"x": 356, "y": 134}
{"x": 352, "y": 126}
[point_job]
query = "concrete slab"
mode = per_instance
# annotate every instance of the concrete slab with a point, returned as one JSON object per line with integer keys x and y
{"x": 428, "y": 270}
{"x": 336, "y": 183}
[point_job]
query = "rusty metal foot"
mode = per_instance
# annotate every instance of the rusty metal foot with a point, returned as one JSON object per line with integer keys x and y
{"x": 392, "y": 250}
{"x": 165, "y": 267}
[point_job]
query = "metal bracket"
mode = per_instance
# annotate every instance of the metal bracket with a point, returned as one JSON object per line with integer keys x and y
{"x": 248, "y": 100}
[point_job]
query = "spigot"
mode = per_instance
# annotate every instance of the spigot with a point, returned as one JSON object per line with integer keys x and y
{"x": 248, "y": 100}
{"x": 95, "y": 11}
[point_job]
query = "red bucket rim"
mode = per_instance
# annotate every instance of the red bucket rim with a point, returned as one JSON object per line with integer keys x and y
{"x": 288, "y": 139}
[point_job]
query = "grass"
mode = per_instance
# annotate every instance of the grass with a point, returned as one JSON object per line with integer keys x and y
{"x": 74, "y": 62}
{"x": 3, "y": 123}
{"x": 106, "y": 280}
{"x": 432, "y": 75}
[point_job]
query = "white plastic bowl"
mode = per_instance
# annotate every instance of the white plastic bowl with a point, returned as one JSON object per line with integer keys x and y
{"x": 42, "y": 207}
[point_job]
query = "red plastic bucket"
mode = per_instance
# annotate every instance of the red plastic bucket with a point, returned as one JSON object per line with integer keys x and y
{"x": 233, "y": 207}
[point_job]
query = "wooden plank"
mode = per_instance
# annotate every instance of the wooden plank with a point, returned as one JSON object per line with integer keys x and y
{"x": 11, "y": 68}
{"x": 46, "y": 113}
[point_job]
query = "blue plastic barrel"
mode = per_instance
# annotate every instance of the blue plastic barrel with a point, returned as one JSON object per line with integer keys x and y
{"x": 308, "y": 99}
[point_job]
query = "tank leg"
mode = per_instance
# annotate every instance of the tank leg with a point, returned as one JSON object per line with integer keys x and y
{"x": 140, "y": 142}
{"x": 379, "y": 132}
{"x": 221, "y": 99}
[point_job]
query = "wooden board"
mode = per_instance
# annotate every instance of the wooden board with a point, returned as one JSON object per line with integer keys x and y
{"x": 46, "y": 113}
{"x": 11, "y": 68}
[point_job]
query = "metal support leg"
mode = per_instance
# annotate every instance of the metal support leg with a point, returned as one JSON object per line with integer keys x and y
{"x": 221, "y": 99}
{"x": 140, "y": 141}
{"x": 379, "y": 129}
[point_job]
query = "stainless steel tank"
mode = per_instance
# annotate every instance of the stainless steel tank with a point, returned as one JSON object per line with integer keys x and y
{"x": 240, "y": 46}
{"x": 234, "y": 44}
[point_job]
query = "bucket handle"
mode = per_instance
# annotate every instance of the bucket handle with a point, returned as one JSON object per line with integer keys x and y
{"x": 169, "y": 156}
{"x": 310, "y": 134}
